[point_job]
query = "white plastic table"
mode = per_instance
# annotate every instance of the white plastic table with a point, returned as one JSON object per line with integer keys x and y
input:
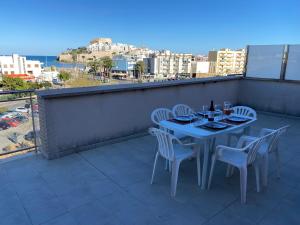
{"x": 204, "y": 135}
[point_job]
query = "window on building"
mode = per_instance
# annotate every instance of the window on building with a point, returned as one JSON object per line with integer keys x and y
{"x": 36, "y": 66}
{"x": 11, "y": 66}
{"x": 12, "y": 72}
{"x": 6, "y": 73}
{"x": 5, "y": 66}
{"x": 28, "y": 65}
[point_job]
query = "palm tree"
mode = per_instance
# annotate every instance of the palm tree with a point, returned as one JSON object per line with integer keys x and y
{"x": 107, "y": 64}
{"x": 139, "y": 68}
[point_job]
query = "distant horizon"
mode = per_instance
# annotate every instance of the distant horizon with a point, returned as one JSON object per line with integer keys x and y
{"x": 51, "y": 27}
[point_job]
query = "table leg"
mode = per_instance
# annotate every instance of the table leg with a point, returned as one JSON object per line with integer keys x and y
{"x": 205, "y": 163}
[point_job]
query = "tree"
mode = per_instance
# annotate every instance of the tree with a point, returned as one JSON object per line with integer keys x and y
{"x": 9, "y": 83}
{"x": 107, "y": 64}
{"x": 64, "y": 76}
{"x": 139, "y": 68}
{"x": 95, "y": 65}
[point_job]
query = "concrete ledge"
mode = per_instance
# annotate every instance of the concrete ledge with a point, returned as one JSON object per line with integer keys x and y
{"x": 69, "y": 92}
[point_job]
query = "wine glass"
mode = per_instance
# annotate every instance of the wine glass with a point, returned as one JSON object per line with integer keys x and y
{"x": 205, "y": 110}
{"x": 227, "y": 108}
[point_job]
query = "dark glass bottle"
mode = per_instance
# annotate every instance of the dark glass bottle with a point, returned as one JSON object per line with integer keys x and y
{"x": 211, "y": 111}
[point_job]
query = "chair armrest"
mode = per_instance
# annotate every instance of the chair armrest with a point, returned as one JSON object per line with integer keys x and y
{"x": 265, "y": 131}
{"x": 186, "y": 145}
{"x": 221, "y": 148}
{"x": 245, "y": 140}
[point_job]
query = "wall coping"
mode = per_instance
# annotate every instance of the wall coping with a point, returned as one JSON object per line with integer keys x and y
{"x": 70, "y": 92}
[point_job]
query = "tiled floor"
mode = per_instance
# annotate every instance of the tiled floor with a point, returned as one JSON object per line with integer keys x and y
{"x": 111, "y": 185}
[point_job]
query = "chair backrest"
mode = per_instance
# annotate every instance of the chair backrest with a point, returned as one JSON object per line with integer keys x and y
{"x": 244, "y": 111}
{"x": 165, "y": 143}
{"x": 182, "y": 109}
{"x": 161, "y": 114}
{"x": 254, "y": 146}
{"x": 274, "y": 141}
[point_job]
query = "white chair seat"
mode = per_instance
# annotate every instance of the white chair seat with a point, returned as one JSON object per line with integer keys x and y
{"x": 183, "y": 153}
{"x": 235, "y": 158}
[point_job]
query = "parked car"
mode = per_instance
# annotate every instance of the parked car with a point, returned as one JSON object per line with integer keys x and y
{"x": 21, "y": 118}
{"x": 29, "y": 136}
{"x": 4, "y": 125}
{"x": 11, "y": 122}
{"x": 22, "y": 109}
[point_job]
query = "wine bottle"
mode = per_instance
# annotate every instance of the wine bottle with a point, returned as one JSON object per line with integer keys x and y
{"x": 211, "y": 111}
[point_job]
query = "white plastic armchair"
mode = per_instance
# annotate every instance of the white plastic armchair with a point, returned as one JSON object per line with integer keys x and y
{"x": 244, "y": 111}
{"x": 161, "y": 114}
{"x": 182, "y": 109}
{"x": 173, "y": 150}
{"x": 241, "y": 111}
{"x": 240, "y": 157}
{"x": 269, "y": 147}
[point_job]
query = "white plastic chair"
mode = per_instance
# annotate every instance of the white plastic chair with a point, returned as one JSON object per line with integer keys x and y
{"x": 240, "y": 157}
{"x": 182, "y": 110}
{"x": 161, "y": 114}
{"x": 241, "y": 111}
{"x": 173, "y": 150}
{"x": 269, "y": 147}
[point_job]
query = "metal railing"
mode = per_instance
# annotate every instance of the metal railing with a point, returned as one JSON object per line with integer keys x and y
{"x": 18, "y": 122}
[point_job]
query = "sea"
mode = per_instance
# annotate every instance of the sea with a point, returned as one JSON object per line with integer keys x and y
{"x": 49, "y": 61}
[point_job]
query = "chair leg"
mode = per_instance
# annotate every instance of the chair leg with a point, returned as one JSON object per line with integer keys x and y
{"x": 228, "y": 171}
{"x": 277, "y": 162}
{"x": 243, "y": 184}
{"x": 154, "y": 167}
{"x": 170, "y": 166}
{"x": 174, "y": 178}
{"x": 213, "y": 161}
{"x": 265, "y": 169}
{"x": 229, "y": 140}
{"x": 256, "y": 169}
{"x": 198, "y": 168}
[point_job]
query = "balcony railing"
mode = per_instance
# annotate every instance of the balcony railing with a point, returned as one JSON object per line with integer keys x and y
{"x": 18, "y": 122}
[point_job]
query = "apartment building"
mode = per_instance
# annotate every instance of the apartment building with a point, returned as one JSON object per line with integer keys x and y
{"x": 19, "y": 66}
{"x": 167, "y": 63}
{"x": 123, "y": 65}
{"x": 227, "y": 61}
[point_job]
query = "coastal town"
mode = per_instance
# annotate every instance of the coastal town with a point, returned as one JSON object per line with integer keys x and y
{"x": 103, "y": 61}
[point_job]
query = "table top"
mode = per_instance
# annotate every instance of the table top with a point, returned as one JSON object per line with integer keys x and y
{"x": 195, "y": 130}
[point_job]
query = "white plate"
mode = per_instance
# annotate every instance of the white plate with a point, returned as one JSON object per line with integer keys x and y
{"x": 184, "y": 118}
{"x": 216, "y": 125}
{"x": 237, "y": 119}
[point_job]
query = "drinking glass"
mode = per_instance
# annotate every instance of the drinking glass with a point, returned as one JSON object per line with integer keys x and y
{"x": 227, "y": 108}
{"x": 218, "y": 109}
{"x": 205, "y": 110}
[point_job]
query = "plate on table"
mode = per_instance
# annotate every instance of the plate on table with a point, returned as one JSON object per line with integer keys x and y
{"x": 237, "y": 119}
{"x": 186, "y": 118}
{"x": 215, "y": 125}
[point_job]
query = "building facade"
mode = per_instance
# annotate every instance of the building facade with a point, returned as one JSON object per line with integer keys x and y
{"x": 167, "y": 64}
{"x": 16, "y": 65}
{"x": 227, "y": 61}
{"x": 123, "y": 65}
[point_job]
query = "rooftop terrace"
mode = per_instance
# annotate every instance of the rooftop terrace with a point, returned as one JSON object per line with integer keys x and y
{"x": 111, "y": 185}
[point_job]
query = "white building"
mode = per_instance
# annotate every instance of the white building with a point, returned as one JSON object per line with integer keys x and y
{"x": 106, "y": 45}
{"x": 15, "y": 65}
{"x": 199, "y": 67}
{"x": 227, "y": 61}
{"x": 168, "y": 64}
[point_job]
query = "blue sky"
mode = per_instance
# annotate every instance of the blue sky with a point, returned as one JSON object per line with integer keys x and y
{"x": 47, "y": 27}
